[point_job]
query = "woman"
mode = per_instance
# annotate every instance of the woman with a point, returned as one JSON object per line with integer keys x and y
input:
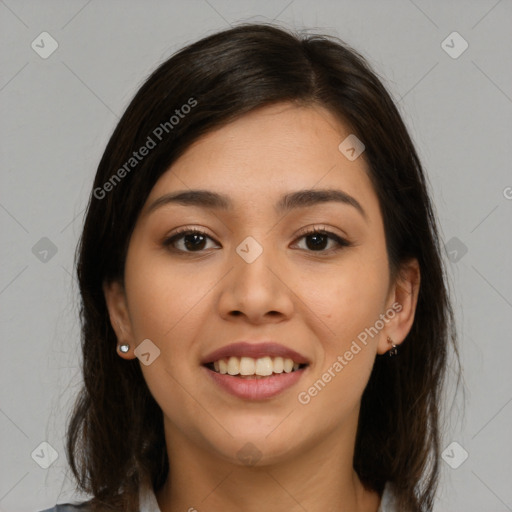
{"x": 264, "y": 308}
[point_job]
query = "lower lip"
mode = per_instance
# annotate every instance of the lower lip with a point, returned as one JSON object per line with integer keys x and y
{"x": 256, "y": 389}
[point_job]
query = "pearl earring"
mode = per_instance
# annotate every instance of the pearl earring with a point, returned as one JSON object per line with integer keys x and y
{"x": 124, "y": 348}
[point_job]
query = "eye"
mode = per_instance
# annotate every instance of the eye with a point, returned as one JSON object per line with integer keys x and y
{"x": 320, "y": 237}
{"x": 188, "y": 240}
{"x": 194, "y": 240}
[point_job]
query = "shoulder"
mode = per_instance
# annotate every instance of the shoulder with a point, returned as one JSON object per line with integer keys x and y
{"x": 68, "y": 507}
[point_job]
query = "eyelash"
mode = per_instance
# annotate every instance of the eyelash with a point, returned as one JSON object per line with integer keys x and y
{"x": 342, "y": 242}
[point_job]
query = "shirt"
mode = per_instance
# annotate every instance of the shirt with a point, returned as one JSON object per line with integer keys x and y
{"x": 149, "y": 503}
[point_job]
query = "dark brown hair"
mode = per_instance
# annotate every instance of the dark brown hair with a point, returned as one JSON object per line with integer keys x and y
{"x": 115, "y": 436}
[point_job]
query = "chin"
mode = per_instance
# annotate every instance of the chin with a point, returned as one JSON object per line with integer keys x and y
{"x": 256, "y": 447}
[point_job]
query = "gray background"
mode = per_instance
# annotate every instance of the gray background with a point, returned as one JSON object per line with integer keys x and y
{"x": 57, "y": 115}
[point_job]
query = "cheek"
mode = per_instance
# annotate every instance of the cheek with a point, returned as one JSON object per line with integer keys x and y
{"x": 164, "y": 308}
{"x": 348, "y": 298}
{"x": 163, "y": 298}
{"x": 349, "y": 305}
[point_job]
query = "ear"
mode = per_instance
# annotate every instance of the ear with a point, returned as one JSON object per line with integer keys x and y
{"x": 402, "y": 300}
{"x": 115, "y": 297}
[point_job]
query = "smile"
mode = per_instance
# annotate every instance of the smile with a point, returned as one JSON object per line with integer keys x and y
{"x": 254, "y": 371}
{"x": 249, "y": 366}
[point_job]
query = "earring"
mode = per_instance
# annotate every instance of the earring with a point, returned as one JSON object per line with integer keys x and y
{"x": 393, "y": 350}
{"x": 124, "y": 348}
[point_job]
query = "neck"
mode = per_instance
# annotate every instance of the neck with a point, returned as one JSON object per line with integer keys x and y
{"x": 319, "y": 478}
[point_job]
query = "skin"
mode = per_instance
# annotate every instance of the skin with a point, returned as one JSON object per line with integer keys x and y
{"x": 313, "y": 301}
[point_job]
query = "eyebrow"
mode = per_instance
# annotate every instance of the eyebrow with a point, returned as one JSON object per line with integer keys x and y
{"x": 288, "y": 202}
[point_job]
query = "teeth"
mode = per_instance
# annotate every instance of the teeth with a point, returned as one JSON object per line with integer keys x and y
{"x": 233, "y": 366}
{"x": 263, "y": 366}
{"x": 247, "y": 366}
{"x": 288, "y": 365}
{"x": 223, "y": 366}
{"x": 278, "y": 365}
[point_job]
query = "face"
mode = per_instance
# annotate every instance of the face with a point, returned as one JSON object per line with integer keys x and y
{"x": 202, "y": 276}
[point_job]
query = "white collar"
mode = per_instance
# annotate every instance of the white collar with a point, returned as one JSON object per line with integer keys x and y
{"x": 387, "y": 502}
{"x": 147, "y": 499}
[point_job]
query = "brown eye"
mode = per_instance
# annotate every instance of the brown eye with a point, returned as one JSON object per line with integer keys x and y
{"x": 188, "y": 240}
{"x": 318, "y": 239}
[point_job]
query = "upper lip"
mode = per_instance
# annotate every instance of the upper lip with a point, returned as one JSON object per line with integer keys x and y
{"x": 254, "y": 350}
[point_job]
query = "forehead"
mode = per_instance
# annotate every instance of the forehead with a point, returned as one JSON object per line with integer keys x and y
{"x": 267, "y": 153}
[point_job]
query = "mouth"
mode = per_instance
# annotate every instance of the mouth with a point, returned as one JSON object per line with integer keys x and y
{"x": 255, "y": 371}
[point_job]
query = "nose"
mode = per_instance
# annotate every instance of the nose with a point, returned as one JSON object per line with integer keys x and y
{"x": 259, "y": 290}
